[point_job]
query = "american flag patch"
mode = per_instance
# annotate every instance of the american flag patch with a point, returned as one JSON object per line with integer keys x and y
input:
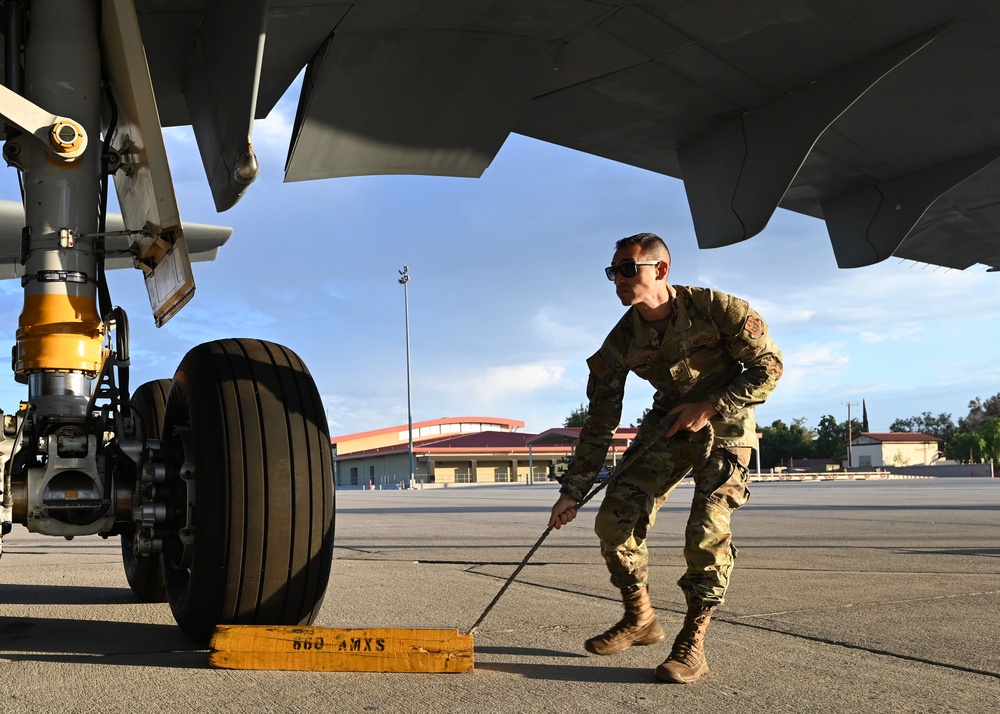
{"x": 598, "y": 367}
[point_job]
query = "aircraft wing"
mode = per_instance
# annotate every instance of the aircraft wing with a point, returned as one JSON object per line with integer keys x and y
{"x": 881, "y": 117}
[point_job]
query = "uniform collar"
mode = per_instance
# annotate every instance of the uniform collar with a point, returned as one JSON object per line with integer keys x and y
{"x": 645, "y": 336}
{"x": 682, "y": 322}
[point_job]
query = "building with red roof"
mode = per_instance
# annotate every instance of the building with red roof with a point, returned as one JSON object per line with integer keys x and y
{"x": 457, "y": 450}
{"x": 872, "y": 450}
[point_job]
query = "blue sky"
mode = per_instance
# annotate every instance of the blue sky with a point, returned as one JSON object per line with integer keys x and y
{"x": 508, "y": 298}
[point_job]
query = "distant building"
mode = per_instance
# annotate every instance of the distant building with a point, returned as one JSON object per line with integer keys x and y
{"x": 810, "y": 465}
{"x": 422, "y": 431}
{"x": 873, "y": 450}
{"x": 457, "y": 450}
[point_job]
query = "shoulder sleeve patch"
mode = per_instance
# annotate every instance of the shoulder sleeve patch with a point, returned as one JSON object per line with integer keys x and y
{"x": 753, "y": 326}
{"x": 598, "y": 367}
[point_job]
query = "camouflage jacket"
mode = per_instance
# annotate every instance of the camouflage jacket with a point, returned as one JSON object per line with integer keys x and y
{"x": 714, "y": 348}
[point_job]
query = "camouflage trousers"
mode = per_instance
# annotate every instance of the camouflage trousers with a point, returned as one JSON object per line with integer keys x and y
{"x": 634, "y": 496}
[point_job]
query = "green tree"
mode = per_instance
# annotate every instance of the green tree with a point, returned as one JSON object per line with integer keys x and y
{"x": 979, "y": 413}
{"x": 966, "y": 448}
{"x": 990, "y": 434}
{"x": 831, "y": 437}
{"x": 940, "y": 426}
{"x": 830, "y": 441}
{"x": 782, "y": 444}
{"x": 577, "y": 417}
{"x": 638, "y": 422}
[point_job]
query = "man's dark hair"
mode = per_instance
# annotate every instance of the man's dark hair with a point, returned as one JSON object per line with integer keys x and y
{"x": 649, "y": 243}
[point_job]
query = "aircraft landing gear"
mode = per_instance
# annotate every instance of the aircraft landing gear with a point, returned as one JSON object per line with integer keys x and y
{"x": 224, "y": 497}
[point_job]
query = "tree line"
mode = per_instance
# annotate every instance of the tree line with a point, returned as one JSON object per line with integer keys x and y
{"x": 974, "y": 439}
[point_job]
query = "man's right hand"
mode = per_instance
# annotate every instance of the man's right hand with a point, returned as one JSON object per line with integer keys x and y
{"x": 563, "y": 512}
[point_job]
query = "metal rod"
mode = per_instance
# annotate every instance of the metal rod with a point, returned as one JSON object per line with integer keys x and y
{"x": 708, "y": 437}
{"x": 404, "y": 280}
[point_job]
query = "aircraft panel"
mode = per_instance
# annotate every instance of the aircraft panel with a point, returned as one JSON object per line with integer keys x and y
{"x": 717, "y": 75}
{"x": 427, "y": 102}
{"x": 548, "y": 20}
{"x": 647, "y": 111}
{"x": 170, "y": 28}
{"x": 221, "y": 92}
{"x": 961, "y": 228}
{"x": 590, "y": 54}
{"x": 295, "y": 33}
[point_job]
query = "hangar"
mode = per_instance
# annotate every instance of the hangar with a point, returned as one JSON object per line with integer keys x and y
{"x": 457, "y": 450}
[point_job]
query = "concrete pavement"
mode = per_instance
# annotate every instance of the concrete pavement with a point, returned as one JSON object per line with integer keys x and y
{"x": 848, "y": 597}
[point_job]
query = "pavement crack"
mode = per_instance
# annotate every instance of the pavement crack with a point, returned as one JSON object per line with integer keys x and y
{"x": 861, "y": 648}
{"x": 844, "y": 606}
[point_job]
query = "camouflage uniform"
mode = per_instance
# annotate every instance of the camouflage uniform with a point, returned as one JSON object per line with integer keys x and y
{"x": 714, "y": 348}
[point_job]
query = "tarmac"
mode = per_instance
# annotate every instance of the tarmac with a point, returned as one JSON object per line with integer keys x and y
{"x": 863, "y": 596}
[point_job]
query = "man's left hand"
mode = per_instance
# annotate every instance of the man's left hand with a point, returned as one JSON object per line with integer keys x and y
{"x": 691, "y": 417}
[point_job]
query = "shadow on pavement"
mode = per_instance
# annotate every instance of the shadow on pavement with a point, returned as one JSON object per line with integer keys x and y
{"x": 97, "y": 642}
{"x": 573, "y": 673}
{"x": 66, "y": 595}
{"x": 527, "y": 652}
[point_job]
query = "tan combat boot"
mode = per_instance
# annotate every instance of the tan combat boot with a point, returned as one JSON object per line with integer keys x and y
{"x": 639, "y": 626}
{"x": 687, "y": 662}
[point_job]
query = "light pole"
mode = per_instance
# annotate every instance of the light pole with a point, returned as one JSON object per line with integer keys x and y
{"x": 403, "y": 280}
{"x": 850, "y": 437}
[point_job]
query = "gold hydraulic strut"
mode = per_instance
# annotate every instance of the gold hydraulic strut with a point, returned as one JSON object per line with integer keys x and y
{"x": 60, "y": 333}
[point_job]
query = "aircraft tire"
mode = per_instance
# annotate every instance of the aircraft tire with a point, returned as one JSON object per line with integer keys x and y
{"x": 145, "y": 574}
{"x": 245, "y": 416}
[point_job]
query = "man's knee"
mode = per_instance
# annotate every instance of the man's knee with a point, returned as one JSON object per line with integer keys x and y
{"x": 708, "y": 533}
{"x": 615, "y": 521}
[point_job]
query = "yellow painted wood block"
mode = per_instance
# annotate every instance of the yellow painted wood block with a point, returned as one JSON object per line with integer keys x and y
{"x": 325, "y": 649}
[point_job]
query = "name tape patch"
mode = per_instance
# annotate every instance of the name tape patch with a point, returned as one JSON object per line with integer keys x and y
{"x": 701, "y": 342}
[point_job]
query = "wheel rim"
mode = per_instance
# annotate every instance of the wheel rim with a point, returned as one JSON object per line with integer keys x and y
{"x": 145, "y": 573}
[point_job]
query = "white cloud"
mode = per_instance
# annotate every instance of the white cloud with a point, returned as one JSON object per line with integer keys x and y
{"x": 203, "y": 323}
{"x": 182, "y": 135}
{"x": 817, "y": 358}
{"x": 489, "y": 388}
{"x": 894, "y": 334}
{"x": 814, "y": 373}
{"x": 782, "y": 313}
{"x": 566, "y": 333}
{"x": 348, "y": 415}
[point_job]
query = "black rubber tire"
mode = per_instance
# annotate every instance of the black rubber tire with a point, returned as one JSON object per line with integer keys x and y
{"x": 145, "y": 574}
{"x": 257, "y": 435}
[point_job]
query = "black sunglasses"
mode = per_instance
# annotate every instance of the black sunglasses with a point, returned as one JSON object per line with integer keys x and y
{"x": 629, "y": 268}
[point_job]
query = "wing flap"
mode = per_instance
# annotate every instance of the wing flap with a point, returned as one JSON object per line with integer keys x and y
{"x": 428, "y": 102}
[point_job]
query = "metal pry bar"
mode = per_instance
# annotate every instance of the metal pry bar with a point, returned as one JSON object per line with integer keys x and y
{"x": 629, "y": 458}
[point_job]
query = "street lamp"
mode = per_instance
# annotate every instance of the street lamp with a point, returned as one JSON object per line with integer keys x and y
{"x": 403, "y": 280}
{"x": 850, "y": 437}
